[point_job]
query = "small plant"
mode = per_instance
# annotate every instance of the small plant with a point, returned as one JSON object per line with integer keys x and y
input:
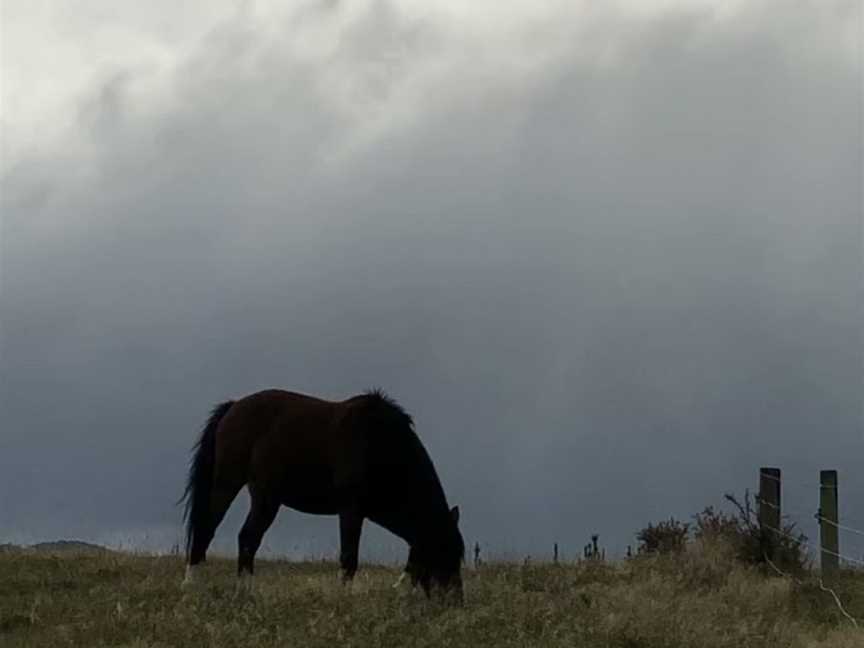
{"x": 592, "y": 550}
{"x": 669, "y": 536}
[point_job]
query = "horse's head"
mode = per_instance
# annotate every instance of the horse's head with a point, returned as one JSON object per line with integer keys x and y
{"x": 436, "y": 563}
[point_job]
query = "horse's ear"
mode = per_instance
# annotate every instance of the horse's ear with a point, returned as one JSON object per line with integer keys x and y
{"x": 454, "y": 513}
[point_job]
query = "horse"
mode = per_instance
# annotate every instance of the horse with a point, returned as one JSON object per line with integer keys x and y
{"x": 358, "y": 458}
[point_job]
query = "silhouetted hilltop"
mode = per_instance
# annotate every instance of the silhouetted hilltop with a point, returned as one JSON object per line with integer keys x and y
{"x": 66, "y": 546}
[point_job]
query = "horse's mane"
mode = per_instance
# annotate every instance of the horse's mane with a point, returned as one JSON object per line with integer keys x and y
{"x": 399, "y": 428}
{"x": 388, "y": 406}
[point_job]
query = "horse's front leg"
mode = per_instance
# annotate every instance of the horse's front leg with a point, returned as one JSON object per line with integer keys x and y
{"x": 261, "y": 516}
{"x": 350, "y": 524}
{"x": 409, "y": 571}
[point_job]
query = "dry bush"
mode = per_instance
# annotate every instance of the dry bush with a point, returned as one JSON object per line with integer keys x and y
{"x": 669, "y": 536}
{"x": 752, "y": 544}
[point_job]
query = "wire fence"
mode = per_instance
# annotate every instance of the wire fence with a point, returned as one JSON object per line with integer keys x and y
{"x": 817, "y": 516}
{"x": 823, "y": 551}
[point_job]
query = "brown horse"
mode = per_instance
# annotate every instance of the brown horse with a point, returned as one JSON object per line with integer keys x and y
{"x": 359, "y": 458}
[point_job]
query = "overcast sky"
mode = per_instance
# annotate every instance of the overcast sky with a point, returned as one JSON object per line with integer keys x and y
{"x": 609, "y": 255}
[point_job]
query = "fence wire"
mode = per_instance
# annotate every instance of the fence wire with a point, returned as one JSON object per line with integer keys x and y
{"x": 804, "y": 543}
{"x": 840, "y": 526}
{"x": 821, "y": 587}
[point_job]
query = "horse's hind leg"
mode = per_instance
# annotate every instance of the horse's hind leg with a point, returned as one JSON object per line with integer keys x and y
{"x": 220, "y": 500}
{"x": 261, "y": 516}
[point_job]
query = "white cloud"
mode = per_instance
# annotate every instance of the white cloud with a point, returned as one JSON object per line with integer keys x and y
{"x": 381, "y": 65}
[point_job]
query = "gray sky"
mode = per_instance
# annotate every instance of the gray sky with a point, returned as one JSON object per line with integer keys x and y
{"x": 609, "y": 258}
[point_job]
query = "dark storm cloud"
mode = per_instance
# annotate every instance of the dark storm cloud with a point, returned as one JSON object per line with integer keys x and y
{"x": 607, "y": 292}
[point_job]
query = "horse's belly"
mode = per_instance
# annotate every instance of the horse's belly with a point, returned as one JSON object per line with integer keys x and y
{"x": 312, "y": 505}
{"x": 310, "y": 492}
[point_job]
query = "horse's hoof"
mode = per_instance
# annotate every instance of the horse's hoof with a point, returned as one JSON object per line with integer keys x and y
{"x": 188, "y": 577}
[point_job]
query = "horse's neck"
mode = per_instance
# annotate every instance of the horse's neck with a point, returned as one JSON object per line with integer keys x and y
{"x": 412, "y": 530}
{"x": 404, "y": 527}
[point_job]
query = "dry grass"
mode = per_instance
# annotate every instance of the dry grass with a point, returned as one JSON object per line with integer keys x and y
{"x": 697, "y": 599}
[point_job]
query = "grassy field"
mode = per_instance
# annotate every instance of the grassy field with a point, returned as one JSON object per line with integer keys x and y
{"x": 698, "y": 600}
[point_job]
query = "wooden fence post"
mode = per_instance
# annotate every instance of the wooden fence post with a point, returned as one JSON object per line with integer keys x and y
{"x": 828, "y": 521}
{"x": 769, "y": 508}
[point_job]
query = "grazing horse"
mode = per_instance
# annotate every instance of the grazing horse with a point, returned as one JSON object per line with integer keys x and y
{"x": 358, "y": 458}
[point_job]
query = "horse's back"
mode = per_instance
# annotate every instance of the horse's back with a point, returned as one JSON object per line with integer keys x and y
{"x": 276, "y": 435}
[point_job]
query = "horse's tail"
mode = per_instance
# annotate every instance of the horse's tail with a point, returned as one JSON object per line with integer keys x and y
{"x": 200, "y": 481}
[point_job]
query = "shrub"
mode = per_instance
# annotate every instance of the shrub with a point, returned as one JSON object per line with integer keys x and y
{"x": 669, "y": 536}
{"x": 711, "y": 525}
{"x": 751, "y": 543}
